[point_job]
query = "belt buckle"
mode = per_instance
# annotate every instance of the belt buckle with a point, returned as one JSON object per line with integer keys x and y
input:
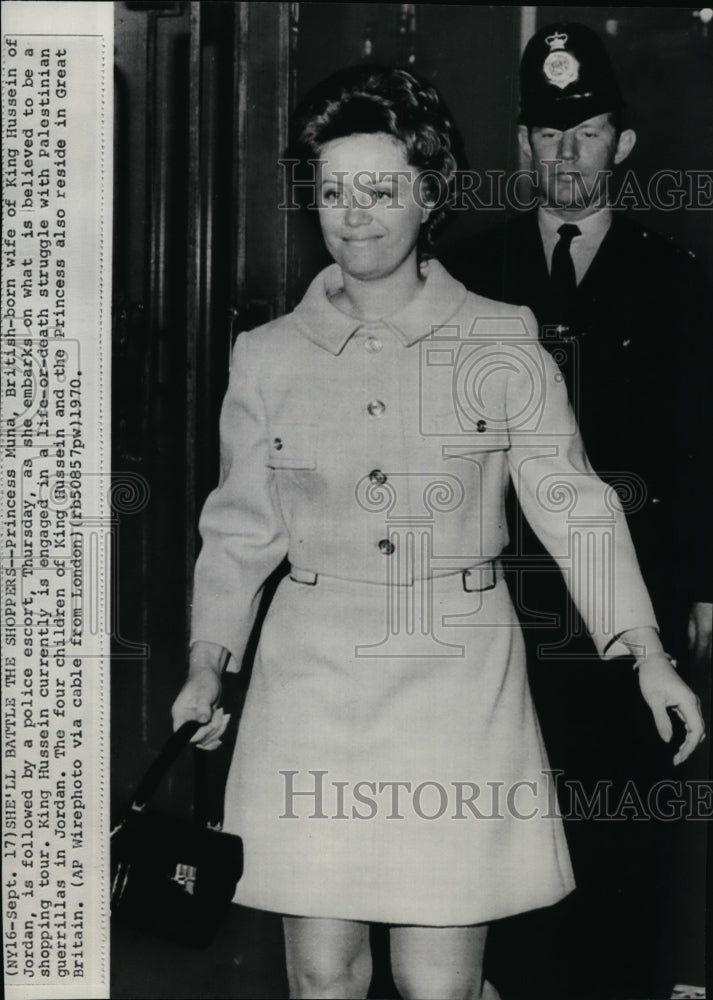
{"x": 492, "y": 578}
{"x": 304, "y": 576}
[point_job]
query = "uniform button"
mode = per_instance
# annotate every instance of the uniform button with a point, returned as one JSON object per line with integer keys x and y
{"x": 373, "y": 345}
{"x": 377, "y": 476}
{"x": 481, "y": 426}
{"x": 655, "y": 500}
{"x": 386, "y": 546}
{"x": 277, "y": 444}
{"x": 375, "y": 408}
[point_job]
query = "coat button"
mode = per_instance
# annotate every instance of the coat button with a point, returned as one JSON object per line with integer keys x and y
{"x": 481, "y": 426}
{"x": 375, "y": 408}
{"x": 277, "y": 444}
{"x": 377, "y": 476}
{"x": 386, "y": 546}
{"x": 373, "y": 345}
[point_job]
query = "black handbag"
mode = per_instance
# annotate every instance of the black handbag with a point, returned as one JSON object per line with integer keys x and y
{"x": 172, "y": 878}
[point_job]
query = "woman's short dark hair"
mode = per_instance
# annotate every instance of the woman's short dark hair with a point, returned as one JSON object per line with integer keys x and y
{"x": 370, "y": 99}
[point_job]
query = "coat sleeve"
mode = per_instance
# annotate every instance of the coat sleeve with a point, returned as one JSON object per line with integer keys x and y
{"x": 243, "y": 533}
{"x": 577, "y": 517}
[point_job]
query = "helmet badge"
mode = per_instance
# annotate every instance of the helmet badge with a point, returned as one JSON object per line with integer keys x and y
{"x": 560, "y": 67}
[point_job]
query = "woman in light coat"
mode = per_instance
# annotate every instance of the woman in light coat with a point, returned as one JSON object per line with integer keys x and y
{"x": 389, "y": 764}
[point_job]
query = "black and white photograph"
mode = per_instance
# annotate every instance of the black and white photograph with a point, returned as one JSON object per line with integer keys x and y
{"x": 356, "y": 588}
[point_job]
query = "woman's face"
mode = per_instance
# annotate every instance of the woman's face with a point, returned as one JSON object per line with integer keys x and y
{"x": 371, "y": 208}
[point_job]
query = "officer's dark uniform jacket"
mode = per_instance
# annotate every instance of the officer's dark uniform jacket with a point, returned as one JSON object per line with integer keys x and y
{"x": 635, "y": 351}
{"x": 635, "y": 345}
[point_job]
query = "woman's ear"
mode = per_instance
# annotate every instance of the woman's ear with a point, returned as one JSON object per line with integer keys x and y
{"x": 433, "y": 194}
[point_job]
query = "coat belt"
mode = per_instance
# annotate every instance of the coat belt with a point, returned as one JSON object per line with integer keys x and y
{"x": 483, "y": 576}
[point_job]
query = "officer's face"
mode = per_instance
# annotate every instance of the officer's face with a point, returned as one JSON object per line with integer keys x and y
{"x": 574, "y": 166}
{"x": 369, "y": 207}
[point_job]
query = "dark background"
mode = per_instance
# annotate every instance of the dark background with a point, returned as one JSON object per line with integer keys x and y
{"x": 203, "y": 97}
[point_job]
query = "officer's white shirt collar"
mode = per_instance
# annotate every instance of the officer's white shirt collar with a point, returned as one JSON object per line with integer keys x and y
{"x": 439, "y": 298}
{"x": 593, "y": 228}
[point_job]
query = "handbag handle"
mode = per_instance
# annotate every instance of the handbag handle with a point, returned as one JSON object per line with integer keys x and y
{"x": 171, "y": 750}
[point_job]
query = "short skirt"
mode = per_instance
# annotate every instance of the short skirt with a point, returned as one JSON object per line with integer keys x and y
{"x": 389, "y": 765}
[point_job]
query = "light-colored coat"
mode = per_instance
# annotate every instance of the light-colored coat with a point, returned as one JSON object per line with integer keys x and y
{"x": 377, "y": 457}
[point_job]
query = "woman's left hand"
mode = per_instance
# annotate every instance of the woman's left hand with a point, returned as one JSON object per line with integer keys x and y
{"x": 662, "y": 689}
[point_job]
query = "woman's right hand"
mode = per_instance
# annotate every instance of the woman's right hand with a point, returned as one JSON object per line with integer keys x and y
{"x": 200, "y": 695}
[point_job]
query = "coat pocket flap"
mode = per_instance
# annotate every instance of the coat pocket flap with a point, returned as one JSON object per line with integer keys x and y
{"x": 293, "y": 446}
{"x": 462, "y": 436}
{"x": 473, "y": 430}
{"x": 472, "y": 446}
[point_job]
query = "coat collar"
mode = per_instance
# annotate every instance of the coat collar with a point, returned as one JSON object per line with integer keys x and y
{"x": 321, "y": 322}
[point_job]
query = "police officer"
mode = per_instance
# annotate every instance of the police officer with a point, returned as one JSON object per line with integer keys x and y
{"x": 627, "y": 314}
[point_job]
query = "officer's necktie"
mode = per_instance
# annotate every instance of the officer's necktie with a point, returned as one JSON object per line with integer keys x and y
{"x": 562, "y": 276}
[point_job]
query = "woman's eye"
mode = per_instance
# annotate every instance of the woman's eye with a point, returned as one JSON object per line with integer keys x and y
{"x": 383, "y": 195}
{"x": 330, "y": 196}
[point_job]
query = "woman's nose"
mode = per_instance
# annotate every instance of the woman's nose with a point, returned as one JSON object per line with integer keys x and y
{"x": 357, "y": 212}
